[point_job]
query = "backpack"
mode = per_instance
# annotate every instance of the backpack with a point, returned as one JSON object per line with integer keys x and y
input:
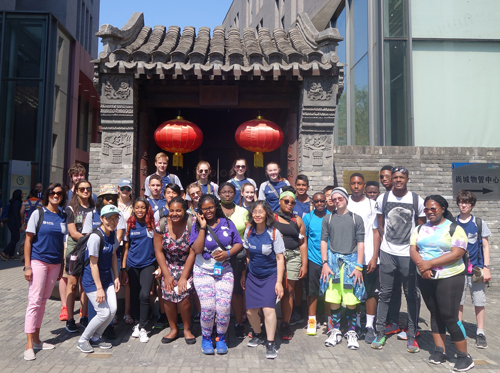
{"x": 30, "y": 209}
{"x": 75, "y": 260}
{"x": 163, "y": 221}
{"x": 415, "y": 205}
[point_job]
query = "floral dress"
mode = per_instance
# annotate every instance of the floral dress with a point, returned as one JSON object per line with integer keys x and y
{"x": 176, "y": 253}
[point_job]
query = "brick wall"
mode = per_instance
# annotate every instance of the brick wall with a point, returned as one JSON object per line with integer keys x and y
{"x": 430, "y": 173}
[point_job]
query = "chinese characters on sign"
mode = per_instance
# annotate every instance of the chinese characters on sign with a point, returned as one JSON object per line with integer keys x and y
{"x": 483, "y": 179}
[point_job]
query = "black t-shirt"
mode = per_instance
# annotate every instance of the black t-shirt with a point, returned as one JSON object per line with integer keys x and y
{"x": 77, "y": 218}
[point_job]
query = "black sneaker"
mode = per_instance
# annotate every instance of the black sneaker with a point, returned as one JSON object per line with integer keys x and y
{"x": 239, "y": 331}
{"x": 71, "y": 326}
{"x": 286, "y": 334}
{"x": 464, "y": 362}
{"x": 370, "y": 335}
{"x": 481, "y": 341}
{"x": 109, "y": 333}
{"x": 296, "y": 318}
{"x": 84, "y": 321}
{"x": 256, "y": 340}
{"x": 271, "y": 352}
{"x": 438, "y": 356}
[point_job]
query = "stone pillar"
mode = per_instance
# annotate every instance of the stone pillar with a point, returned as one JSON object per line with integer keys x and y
{"x": 319, "y": 100}
{"x": 119, "y": 130}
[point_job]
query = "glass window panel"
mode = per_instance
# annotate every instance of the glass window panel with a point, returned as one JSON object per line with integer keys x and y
{"x": 339, "y": 23}
{"x": 397, "y": 110}
{"x": 24, "y": 49}
{"x": 395, "y": 19}
{"x": 361, "y": 105}
{"x": 360, "y": 28}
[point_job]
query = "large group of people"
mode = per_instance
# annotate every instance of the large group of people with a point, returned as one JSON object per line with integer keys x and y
{"x": 213, "y": 249}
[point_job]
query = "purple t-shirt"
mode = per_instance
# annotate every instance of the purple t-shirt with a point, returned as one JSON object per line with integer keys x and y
{"x": 226, "y": 233}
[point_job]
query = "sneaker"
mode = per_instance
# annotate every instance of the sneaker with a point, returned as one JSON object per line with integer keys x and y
{"x": 239, "y": 331}
{"x": 403, "y": 334}
{"x": 286, "y": 334}
{"x": 438, "y": 356}
{"x": 481, "y": 341}
{"x": 85, "y": 347}
{"x": 311, "y": 327}
{"x": 101, "y": 344}
{"x": 271, "y": 352}
{"x": 329, "y": 324}
{"x": 71, "y": 326}
{"x": 352, "y": 340}
{"x": 109, "y": 332}
{"x": 220, "y": 344}
{"x": 464, "y": 362}
{"x": 370, "y": 335}
{"x": 334, "y": 338}
{"x": 4, "y": 256}
{"x": 391, "y": 328}
{"x": 207, "y": 346}
{"x": 43, "y": 346}
{"x": 29, "y": 354}
{"x": 379, "y": 341}
{"x": 412, "y": 346}
{"x": 256, "y": 340}
{"x": 196, "y": 318}
{"x": 63, "y": 315}
{"x": 296, "y": 318}
{"x": 84, "y": 321}
{"x": 162, "y": 322}
{"x": 143, "y": 336}
{"x": 136, "y": 333}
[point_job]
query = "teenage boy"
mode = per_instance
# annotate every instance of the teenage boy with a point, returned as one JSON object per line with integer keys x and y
{"x": 303, "y": 204}
{"x": 155, "y": 198}
{"x": 76, "y": 173}
{"x": 365, "y": 207}
{"x": 313, "y": 222}
{"x": 342, "y": 252}
{"x": 161, "y": 163}
{"x": 478, "y": 249}
{"x": 372, "y": 189}
{"x": 399, "y": 211}
{"x": 330, "y": 206}
{"x": 386, "y": 177}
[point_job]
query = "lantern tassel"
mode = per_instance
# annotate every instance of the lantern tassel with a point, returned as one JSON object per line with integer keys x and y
{"x": 258, "y": 159}
{"x": 178, "y": 160}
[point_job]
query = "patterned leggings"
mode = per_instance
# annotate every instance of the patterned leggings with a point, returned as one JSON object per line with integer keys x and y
{"x": 215, "y": 297}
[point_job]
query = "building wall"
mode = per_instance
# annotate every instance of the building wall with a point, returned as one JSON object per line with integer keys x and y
{"x": 430, "y": 173}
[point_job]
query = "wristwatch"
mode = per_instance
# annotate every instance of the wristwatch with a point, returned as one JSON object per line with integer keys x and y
{"x": 26, "y": 268}
{"x": 324, "y": 262}
{"x": 487, "y": 266}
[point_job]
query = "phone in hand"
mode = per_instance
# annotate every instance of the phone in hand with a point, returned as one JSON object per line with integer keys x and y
{"x": 216, "y": 251}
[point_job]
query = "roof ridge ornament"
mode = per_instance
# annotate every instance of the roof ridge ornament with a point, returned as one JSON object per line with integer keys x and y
{"x": 114, "y": 38}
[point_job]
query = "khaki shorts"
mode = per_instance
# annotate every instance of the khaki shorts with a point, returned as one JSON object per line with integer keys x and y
{"x": 293, "y": 262}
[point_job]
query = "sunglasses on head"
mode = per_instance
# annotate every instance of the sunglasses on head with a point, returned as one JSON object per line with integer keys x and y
{"x": 52, "y": 193}
{"x": 289, "y": 202}
{"x": 401, "y": 169}
{"x": 125, "y": 189}
{"x": 83, "y": 189}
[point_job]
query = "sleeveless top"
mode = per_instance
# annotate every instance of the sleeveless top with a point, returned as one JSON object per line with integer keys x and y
{"x": 289, "y": 232}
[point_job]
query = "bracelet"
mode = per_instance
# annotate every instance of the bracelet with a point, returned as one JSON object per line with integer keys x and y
{"x": 359, "y": 265}
{"x": 485, "y": 266}
{"x": 203, "y": 228}
{"x": 26, "y": 268}
{"x": 324, "y": 262}
{"x": 359, "y": 268}
{"x": 228, "y": 254}
{"x": 123, "y": 269}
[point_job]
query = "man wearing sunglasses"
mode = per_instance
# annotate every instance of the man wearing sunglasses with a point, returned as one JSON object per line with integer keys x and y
{"x": 398, "y": 212}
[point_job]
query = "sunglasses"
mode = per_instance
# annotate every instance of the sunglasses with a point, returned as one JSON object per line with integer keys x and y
{"x": 239, "y": 166}
{"x": 208, "y": 208}
{"x": 203, "y": 171}
{"x": 432, "y": 209}
{"x": 109, "y": 197}
{"x": 83, "y": 189}
{"x": 289, "y": 202}
{"x": 400, "y": 169}
{"x": 52, "y": 193}
{"x": 125, "y": 189}
{"x": 340, "y": 199}
{"x": 319, "y": 200}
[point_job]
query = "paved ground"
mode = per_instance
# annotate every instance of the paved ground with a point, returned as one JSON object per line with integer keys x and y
{"x": 303, "y": 353}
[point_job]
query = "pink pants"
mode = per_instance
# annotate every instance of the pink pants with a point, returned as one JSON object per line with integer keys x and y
{"x": 40, "y": 288}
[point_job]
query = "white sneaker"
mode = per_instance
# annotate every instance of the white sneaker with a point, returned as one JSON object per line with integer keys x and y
{"x": 136, "y": 332}
{"x": 334, "y": 338}
{"x": 311, "y": 326}
{"x": 143, "y": 336}
{"x": 352, "y": 340}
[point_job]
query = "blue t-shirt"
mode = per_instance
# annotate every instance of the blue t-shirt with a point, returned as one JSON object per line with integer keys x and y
{"x": 471, "y": 230}
{"x": 226, "y": 233}
{"x": 157, "y": 204}
{"x": 104, "y": 261}
{"x": 141, "y": 252}
{"x": 48, "y": 245}
{"x": 313, "y": 226}
{"x": 262, "y": 251}
{"x": 238, "y": 184}
{"x": 302, "y": 208}
{"x": 267, "y": 194}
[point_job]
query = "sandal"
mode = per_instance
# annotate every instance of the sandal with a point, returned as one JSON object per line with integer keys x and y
{"x": 128, "y": 320}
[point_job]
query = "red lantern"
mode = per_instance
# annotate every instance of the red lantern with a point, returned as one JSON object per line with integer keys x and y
{"x": 178, "y": 136}
{"x": 259, "y": 136}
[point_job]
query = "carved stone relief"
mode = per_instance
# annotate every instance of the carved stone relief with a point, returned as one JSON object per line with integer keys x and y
{"x": 319, "y": 91}
{"x": 116, "y": 146}
{"x": 316, "y": 148}
{"x": 116, "y": 89}
{"x": 111, "y": 110}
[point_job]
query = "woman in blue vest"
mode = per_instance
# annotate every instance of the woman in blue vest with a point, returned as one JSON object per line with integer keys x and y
{"x": 270, "y": 190}
{"x": 43, "y": 258}
{"x": 238, "y": 177}
{"x": 100, "y": 279}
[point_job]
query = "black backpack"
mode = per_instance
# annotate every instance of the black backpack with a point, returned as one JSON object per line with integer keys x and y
{"x": 75, "y": 260}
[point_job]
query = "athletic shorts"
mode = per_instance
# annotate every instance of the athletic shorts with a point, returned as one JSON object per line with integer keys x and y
{"x": 336, "y": 293}
{"x": 313, "y": 277}
{"x": 293, "y": 263}
{"x": 371, "y": 281}
{"x": 477, "y": 292}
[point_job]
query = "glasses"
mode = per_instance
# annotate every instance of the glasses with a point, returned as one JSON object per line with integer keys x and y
{"x": 400, "y": 169}
{"x": 203, "y": 171}
{"x": 125, "y": 189}
{"x": 432, "y": 209}
{"x": 339, "y": 199}
{"x": 198, "y": 193}
{"x": 83, "y": 189}
{"x": 52, "y": 193}
{"x": 205, "y": 209}
{"x": 240, "y": 166}
{"x": 259, "y": 213}
{"x": 109, "y": 197}
{"x": 319, "y": 201}
{"x": 289, "y": 202}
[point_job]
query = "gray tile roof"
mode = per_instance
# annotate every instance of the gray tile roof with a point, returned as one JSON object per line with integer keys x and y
{"x": 268, "y": 54}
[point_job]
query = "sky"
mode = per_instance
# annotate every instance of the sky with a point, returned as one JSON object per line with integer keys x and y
{"x": 182, "y": 13}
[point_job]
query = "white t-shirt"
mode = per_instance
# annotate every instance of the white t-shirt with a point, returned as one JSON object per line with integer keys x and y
{"x": 366, "y": 209}
{"x": 399, "y": 222}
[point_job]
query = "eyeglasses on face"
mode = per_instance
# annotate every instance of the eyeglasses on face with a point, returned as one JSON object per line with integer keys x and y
{"x": 203, "y": 171}
{"x": 289, "y": 202}
{"x": 210, "y": 208}
{"x": 192, "y": 194}
{"x": 401, "y": 169}
{"x": 339, "y": 199}
{"x": 125, "y": 189}
{"x": 259, "y": 213}
{"x": 83, "y": 189}
{"x": 431, "y": 209}
{"x": 52, "y": 193}
{"x": 319, "y": 201}
{"x": 240, "y": 166}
